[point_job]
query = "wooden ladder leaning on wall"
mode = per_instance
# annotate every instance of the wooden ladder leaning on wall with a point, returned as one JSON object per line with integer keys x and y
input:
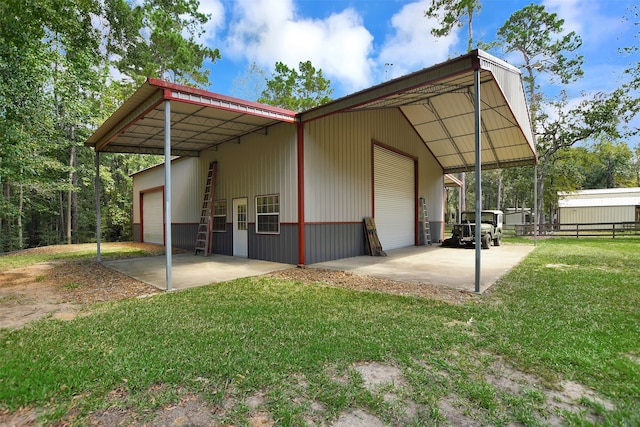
{"x": 204, "y": 242}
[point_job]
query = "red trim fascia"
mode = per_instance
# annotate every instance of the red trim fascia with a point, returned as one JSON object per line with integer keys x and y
{"x": 152, "y": 189}
{"x": 395, "y": 150}
{"x": 407, "y": 89}
{"x": 373, "y": 180}
{"x": 300, "y": 164}
{"x": 168, "y": 87}
{"x": 332, "y": 223}
{"x": 137, "y": 118}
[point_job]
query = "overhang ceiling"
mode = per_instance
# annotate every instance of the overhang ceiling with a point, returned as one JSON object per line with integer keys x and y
{"x": 200, "y": 121}
{"x": 438, "y": 102}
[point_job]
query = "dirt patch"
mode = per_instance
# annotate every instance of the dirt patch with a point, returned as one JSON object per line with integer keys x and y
{"x": 347, "y": 280}
{"x": 565, "y": 396}
{"x": 60, "y": 289}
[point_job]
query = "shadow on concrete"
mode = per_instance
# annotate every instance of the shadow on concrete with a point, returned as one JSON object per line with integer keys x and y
{"x": 189, "y": 270}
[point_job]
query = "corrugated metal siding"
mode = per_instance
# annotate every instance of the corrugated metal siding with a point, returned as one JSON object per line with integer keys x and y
{"x": 136, "y": 232}
{"x": 437, "y": 230}
{"x": 184, "y": 199}
{"x": 281, "y": 247}
{"x": 183, "y": 236}
{"x": 223, "y": 242}
{"x": 259, "y": 165}
{"x": 326, "y": 242}
{"x": 597, "y": 214}
{"x": 510, "y": 83}
{"x": 338, "y": 162}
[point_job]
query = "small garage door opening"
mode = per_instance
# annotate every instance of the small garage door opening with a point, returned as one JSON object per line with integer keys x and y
{"x": 152, "y": 217}
{"x": 394, "y": 198}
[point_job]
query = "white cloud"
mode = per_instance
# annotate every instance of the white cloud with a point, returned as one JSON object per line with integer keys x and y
{"x": 586, "y": 18}
{"x": 215, "y": 10}
{"x": 412, "y": 46}
{"x": 266, "y": 31}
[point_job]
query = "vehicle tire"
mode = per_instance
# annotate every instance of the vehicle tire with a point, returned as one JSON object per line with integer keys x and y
{"x": 486, "y": 241}
{"x": 498, "y": 240}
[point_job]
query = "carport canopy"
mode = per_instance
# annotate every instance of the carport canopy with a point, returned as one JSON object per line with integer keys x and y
{"x": 442, "y": 103}
{"x": 437, "y": 101}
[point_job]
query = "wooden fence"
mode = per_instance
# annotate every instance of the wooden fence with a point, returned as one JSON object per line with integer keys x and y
{"x": 606, "y": 229}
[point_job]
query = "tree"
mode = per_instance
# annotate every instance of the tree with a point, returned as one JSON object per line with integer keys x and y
{"x": 251, "y": 84}
{"x": 539, "y": 38}
{"x": 159, "y": 39}
{"x": 54, "y": 89}
{"x": 453, "y": 13}
{"x": 297, "y": 90}
{"x": 610, "y": 165}
{"x": 636, "y": 165}
{"x": 562, "y": 128}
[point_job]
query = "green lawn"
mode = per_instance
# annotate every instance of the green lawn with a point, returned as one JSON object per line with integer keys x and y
{"x": 63, "y": 252}
{"x": 569, "y": 312}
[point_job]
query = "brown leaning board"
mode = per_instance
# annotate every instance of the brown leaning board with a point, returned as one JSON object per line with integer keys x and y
{"x": 372, "y": 243}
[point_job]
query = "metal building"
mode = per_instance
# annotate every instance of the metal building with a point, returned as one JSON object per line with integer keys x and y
{"x": 295, "y": 187}
{"x": 609, "y": 205}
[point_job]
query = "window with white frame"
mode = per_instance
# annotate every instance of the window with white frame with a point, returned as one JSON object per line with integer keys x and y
{"x": 268, "y": 214}
{"x": 220, "y": 216}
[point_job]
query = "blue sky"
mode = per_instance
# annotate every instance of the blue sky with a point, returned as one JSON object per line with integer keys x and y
{"x": 352, "y": 40}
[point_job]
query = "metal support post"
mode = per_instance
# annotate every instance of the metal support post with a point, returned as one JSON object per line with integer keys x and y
{"x": 478, "y": 148}
{"x": 98, "y": 219}
{"x": 167, "y": 189}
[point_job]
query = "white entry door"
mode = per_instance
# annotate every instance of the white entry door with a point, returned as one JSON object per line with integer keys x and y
{"x": 240, "y": 226}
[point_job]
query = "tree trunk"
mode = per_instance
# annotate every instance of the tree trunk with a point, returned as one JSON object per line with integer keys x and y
{"x": 60, "y": 222}
{"x": 7, "y": 196}
{"x": 72, "y": 199}
{"x": 541, "y": 177}
{"x": 500, "y": 189}
{"x": 20, "y": 205}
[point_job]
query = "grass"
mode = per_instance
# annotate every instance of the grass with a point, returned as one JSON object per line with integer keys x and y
{"x": 30, "y": 257}
{"x": 568, "y": 312}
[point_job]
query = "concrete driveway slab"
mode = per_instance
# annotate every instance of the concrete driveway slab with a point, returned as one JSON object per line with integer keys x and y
{"x": 437, "y": 265}
{"x": 189, "y": 270}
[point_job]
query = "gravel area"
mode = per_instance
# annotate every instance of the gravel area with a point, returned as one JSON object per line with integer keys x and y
{"x": 347, "y": 280}
{"x": 60, "y": 289}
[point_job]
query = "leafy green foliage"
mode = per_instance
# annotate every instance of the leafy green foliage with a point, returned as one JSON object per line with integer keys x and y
{"x": 55, "y": 58}
{"x": 161, "y": 41}
{"x": 539, "y": 38}
{"x": 297, "y": 90}
{"x": 451, "y": 14}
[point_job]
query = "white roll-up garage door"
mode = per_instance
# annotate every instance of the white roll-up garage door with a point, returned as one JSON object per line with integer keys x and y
{"x": 152, "y": 218}
{"x": 394, "y": 198}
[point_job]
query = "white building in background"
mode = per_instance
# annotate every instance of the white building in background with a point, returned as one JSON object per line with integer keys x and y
{"x": 599, "y": 206}
{"x": 518, "y": 216}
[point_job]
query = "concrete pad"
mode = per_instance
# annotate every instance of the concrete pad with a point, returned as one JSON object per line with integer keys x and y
{"x": 189, "y": 270}
{"x": 437, "y": 265}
